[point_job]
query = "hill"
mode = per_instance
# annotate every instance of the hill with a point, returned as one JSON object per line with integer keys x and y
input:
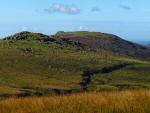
{"x": 37, "y": 64}
{"x": 109, "y": 42}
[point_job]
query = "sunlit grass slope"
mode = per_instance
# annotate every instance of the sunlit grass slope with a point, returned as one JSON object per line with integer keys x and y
{"x": 30, "y": 65}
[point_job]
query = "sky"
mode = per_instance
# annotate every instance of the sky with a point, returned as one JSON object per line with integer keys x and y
{"x": 129, "y": 19}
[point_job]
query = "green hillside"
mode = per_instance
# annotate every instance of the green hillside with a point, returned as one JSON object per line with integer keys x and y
{"x": 37, "y": 64}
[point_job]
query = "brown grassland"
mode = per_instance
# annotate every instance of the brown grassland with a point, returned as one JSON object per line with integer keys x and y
{"x": 105, "y": 102}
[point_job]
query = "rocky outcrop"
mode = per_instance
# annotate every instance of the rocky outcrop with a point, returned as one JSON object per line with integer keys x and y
{"x": 28, "y": 35}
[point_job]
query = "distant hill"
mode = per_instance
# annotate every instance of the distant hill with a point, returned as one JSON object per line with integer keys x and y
{"x": 109, "y": 42}
{"x": 144, "y": 42}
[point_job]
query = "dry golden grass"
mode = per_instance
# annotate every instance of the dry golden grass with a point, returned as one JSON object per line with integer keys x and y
{"x": 113, "y": 102}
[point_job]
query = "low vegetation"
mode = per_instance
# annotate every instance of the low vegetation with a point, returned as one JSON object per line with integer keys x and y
{"x": 114, "y": 102}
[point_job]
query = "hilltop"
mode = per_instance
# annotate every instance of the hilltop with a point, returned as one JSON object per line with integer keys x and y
{"x": 108, "y": 42}
{"x": 26, "y": 35}
{"x": 70, "y": 62}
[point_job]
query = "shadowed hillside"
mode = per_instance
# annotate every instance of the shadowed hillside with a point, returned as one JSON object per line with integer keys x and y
{"x": 109, "y": 42}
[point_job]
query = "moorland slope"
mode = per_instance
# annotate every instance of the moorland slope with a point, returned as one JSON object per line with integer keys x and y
{"x": 38, "y": 64}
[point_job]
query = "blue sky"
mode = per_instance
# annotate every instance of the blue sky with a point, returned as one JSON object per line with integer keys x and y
{"x": 129, "y": 19}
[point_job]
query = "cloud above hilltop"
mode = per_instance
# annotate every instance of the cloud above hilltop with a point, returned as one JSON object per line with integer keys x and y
{"x": 63, "y": 9}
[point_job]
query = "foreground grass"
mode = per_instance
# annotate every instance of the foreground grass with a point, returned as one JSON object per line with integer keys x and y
{"x": 113, "y": 102}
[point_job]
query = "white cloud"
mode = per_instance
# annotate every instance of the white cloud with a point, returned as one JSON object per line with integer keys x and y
{"x": 63, "y": 9}
{"x": 24, "y": 28}
{"x": 82, "y": 28}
